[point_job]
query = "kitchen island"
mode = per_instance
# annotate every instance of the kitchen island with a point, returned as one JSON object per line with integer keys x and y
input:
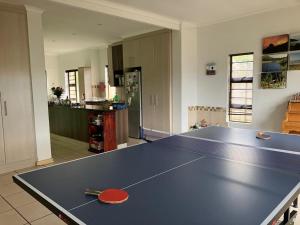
{"x": 79, "y": 122}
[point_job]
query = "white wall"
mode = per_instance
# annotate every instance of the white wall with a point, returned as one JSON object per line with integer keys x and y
{"x": 57, "y": 65}
{"x": 217, "y": 42}
{"x": 52, "y": 70}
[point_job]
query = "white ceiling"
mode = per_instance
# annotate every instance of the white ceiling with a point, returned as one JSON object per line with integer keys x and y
{"x": 68, "y": 29}
{"x": 205, "y": 12}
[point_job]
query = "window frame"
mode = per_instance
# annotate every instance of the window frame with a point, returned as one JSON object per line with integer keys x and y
{"x": 68, "y": 78}
{"x": 230, "y": 89}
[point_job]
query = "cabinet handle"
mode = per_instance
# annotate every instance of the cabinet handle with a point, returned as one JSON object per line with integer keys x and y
{"x": 151, "y": 99}
{"x": 5, "y": 108}
{"x": 156, "y": 100}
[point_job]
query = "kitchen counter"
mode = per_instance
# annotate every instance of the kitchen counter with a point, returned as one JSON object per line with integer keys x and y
{"x": 92, "y": 107}
{"x": 73, "y": 121}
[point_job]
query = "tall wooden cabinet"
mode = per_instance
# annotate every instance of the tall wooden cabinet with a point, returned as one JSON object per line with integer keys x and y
{"x": 152, "y": 52}
{"x": 17, "y": 145}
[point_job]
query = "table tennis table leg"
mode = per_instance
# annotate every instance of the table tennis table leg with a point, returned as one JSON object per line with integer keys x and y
{"x": 295, "y": 203}
{"x": 288, "y": 216}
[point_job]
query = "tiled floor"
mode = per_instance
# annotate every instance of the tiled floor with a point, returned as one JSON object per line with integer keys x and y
{"x": 66, "y": 149}
{"x": 19, "y": 208}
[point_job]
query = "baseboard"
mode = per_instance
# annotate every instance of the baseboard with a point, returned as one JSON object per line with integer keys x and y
{"x": 44, "y": 162}
{"x": 16, "y": 166}
{"x": 156, "y": 134}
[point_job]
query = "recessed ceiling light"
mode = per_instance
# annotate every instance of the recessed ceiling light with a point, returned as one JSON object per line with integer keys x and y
{"x": 99, "y": 24}
{"x": 53, "y": 40}
{"x": 74, "y": 34}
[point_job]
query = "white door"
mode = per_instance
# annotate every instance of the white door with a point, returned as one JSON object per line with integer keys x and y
{"x": 15, "y": 86}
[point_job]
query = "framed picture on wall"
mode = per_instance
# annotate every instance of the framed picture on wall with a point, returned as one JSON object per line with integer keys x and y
{"x": 274, "y": 63}
{"x": 294, "y": 61}
{"x": 276, "y": 44}
{"x": 273, "y": 80}
{"x": 295, "y": 42}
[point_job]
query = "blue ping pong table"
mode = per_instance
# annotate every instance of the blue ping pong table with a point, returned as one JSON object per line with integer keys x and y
{"x": 212, "y": 176}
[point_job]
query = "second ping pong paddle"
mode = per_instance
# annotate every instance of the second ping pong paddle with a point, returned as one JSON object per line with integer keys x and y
{"x": 109, "y": 196}
{"x": 262, "y": 135}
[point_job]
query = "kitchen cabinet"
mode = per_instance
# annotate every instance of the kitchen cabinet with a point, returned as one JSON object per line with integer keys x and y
{"x": 132, "y": 53}
{"x": 15, "y": 87}
{"x": 148, "y": 81}
{"x": 117, "y": 57}
{"x": 152, "y": 52}
{"x": 161, "y": 80}
{"x": 115, "y": 65}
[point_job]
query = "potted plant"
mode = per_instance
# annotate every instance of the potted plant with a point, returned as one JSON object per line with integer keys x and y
{"x": 57, "y": 91}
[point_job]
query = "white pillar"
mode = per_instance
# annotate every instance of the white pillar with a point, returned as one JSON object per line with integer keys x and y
{"x": 184, "y": 76}
{"x": 176, "y": 82}
{"x": 189, "y": 57}
{"x": 39, "y": 84}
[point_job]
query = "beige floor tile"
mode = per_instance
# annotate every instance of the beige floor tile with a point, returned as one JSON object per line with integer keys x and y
{"x": 11, "y": 217}
{"x": 6, "y": 178}
{"x": 4, "y": 206}
{"x": 66, "y": 149}
{"x": 19, "y": 199}
{"x": 134, "y": 141}
{"x": 33, "y": 211}
{"x": 8, "y": 189}
{"x": 28, "y": 169}
{"x": 49, "y": 220}
{"x": 297, "y": 220}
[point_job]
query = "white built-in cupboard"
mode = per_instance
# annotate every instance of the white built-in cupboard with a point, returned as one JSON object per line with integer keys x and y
{"x": 17, "y": 139}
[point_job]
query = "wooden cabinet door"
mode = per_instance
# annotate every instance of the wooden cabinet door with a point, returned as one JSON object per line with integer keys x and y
{"x": 2, "y": 155}
{"x": 161, "y": 81}
{"x": 132, "y": 53}
{"x": 117, "y": 57}
{"x": 15, "y": 85}
{"x": 109, "y": 131}
{"x": 148, "y": 89}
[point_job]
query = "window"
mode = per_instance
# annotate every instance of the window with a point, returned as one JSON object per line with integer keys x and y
{"x": 241, "y": 82}
{"x": 72, "y": 85}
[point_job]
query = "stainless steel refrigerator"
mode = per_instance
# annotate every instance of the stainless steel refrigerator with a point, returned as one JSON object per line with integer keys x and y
{"x": 134, "y": 100}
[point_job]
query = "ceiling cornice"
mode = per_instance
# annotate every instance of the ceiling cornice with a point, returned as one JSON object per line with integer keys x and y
{"x": 33, "y": 9}
{"x": 123, "y": 11}
{"x": 245, "y": 15}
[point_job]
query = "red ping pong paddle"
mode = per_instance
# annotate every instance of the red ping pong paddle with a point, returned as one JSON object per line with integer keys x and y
{"x": 109, "y": 196}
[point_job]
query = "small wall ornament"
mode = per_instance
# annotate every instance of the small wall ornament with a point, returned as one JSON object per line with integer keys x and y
{"x": 211, "y": 69}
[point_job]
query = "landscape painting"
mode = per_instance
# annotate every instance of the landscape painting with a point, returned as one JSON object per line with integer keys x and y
{"x": 295, "y": 42}
{"x": 273, "y": 80}
{"x": 294, "y": 61}
{"x": 274, "y": 63}
{"x": 276, "y": 44}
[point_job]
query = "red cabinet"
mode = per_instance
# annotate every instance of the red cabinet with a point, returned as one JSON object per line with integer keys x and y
{"x": 102, "y": 131}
